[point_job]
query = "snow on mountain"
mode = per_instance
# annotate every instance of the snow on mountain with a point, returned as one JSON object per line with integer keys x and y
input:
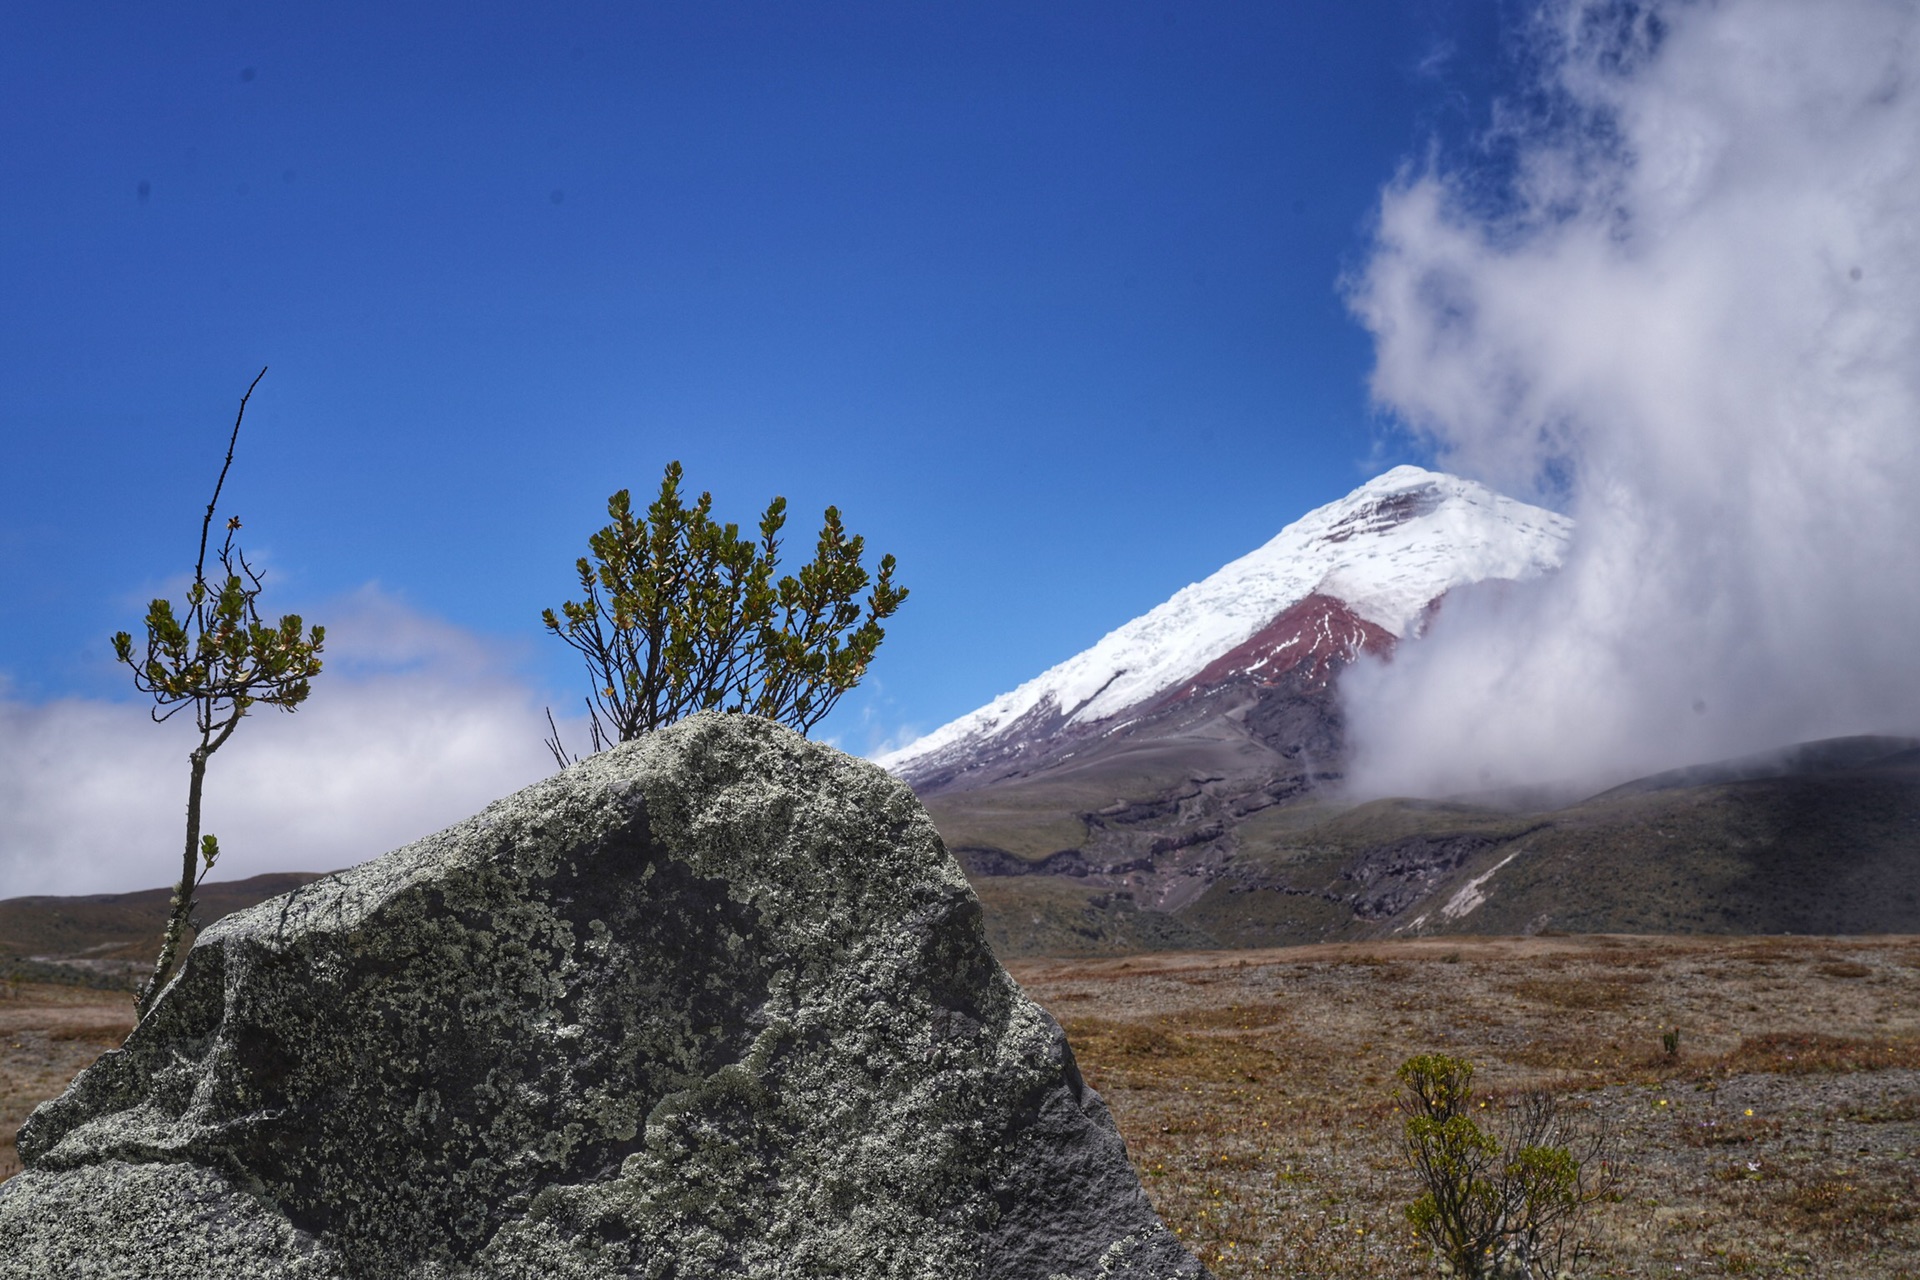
{"x": 1386, "y": 551}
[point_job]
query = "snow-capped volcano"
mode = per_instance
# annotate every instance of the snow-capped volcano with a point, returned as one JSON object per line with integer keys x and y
{"x": 1357, "y": 574}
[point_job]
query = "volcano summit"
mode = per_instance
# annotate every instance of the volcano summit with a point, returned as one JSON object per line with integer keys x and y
{"x": 1244, "y": 660}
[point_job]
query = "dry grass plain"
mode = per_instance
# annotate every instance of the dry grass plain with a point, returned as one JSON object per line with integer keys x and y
{"x": 47, "y": 1034}
{"x": 1255, "y": 1089}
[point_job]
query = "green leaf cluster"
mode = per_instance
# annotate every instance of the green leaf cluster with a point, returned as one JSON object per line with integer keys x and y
{"x": 223, "y": 658}
{"x": 682, "y": 613}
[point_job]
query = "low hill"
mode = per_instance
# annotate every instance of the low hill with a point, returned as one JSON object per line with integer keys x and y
{"x": 115, "y": 937}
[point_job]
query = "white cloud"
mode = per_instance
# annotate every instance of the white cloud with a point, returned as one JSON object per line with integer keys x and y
{"x": 1693, "y": 317}
{"x": 412, "y": 725}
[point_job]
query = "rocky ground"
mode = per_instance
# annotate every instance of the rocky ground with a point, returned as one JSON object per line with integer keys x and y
{"x": 1255, "y": 1089}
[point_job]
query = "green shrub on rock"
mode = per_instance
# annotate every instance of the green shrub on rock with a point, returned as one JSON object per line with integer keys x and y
{"x": 680, "y": 613}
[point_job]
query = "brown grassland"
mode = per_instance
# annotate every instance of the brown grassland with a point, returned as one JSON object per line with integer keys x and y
{"x": 49, "y": 1032}
{"x": 1256, "y": 1089}
{"x": 1256, "y": 1092}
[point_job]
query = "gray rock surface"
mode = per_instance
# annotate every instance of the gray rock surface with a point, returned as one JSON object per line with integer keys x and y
{"x": 715, "y": 1003}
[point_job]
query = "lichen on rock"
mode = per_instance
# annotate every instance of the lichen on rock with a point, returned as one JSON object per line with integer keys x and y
{"x": 714, "y": 1003}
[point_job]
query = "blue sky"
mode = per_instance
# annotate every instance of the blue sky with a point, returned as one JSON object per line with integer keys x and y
{"x": 1064, "y": 305}
{"x": 1045, "y": 298}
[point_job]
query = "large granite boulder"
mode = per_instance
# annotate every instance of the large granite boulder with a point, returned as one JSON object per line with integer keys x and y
{"x": 715, "y": 1003}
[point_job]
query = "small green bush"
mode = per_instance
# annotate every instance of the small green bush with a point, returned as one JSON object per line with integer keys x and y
{"x": 1501, "y": 1199}
{"x": 681, "y": 613}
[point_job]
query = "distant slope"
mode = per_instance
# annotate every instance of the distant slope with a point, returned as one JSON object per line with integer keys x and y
{"x": 1823, "y": 838}
{"x": 119, "y": 933}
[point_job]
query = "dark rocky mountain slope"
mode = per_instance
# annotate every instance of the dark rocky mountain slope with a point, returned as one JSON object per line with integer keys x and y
{"x": 1821, "y": 838}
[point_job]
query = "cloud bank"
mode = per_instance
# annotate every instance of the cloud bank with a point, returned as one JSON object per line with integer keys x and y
{"x": 1678, "y": 296}
{"x": 412, "y": 725}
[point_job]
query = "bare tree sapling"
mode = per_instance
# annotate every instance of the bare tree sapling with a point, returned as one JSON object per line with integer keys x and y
{"x": 220, "y": 659}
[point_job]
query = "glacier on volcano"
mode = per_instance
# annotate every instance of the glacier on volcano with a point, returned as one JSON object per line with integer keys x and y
{"x": 1387, "y": 550}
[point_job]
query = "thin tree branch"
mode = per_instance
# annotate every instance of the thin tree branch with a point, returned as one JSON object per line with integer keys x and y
{"x": 552, "y": 743}
{"x": 206, "y": 523}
